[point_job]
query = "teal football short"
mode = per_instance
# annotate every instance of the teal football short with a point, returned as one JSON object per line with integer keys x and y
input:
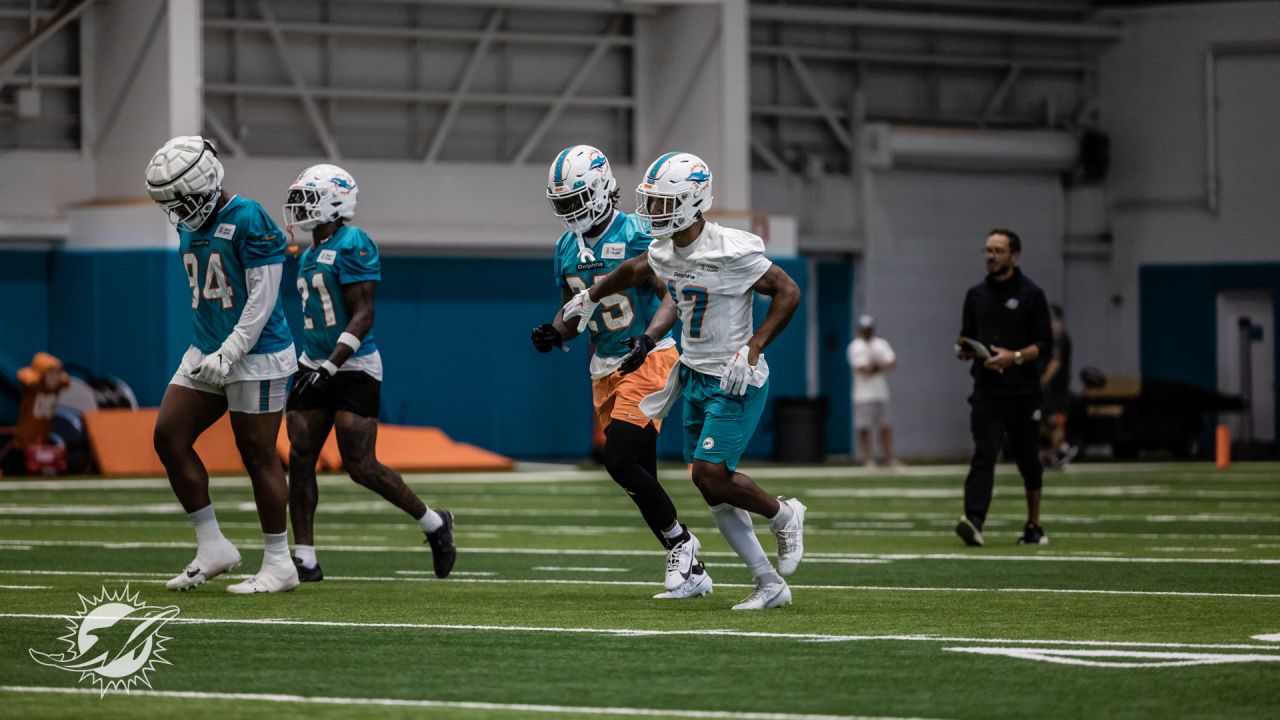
{"x": 717, "y": 425}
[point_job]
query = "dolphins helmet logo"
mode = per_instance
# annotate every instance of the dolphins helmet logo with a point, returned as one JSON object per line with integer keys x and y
{"x": 344, "y": 184}
{"x": 698, "y": 174}
{"x": 114, "y": 641}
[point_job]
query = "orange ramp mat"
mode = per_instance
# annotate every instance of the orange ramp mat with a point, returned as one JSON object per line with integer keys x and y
{"x": 409, "y": 449}
{"x": 121, "y": 442}
{"x": 122, "y": 446}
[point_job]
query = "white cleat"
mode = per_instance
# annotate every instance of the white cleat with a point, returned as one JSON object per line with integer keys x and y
{"x": 766, "y": 596}
{"x": 270, "y": 579}
{"x": 208, "y": 564}
{"x": 698, "y": 584}
{"x": 791, "y": 539}
{"x": 681, "y": 560}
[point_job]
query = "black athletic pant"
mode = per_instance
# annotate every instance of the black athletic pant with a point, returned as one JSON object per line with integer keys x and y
{"x": 992, "y": 418}
{"x": 631, "y": 458}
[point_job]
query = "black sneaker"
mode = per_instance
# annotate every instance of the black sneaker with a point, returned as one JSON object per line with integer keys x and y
{"x": 308, "y": 574}
{"x": 969, "y": 532}
{"x": 1033, "y": 534}
{"x": 443, "y": 551}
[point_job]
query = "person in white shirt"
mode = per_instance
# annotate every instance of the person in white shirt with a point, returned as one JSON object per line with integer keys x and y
{"x": 872, "y": 359}
{"x": 712, "y": 273}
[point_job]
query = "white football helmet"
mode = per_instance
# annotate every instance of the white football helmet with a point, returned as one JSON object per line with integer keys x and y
{"x": 185, "y": 178}
{"x": 581, "y": 188}
{"x": 675, "y": 188}
{"x": 322, "y": 193}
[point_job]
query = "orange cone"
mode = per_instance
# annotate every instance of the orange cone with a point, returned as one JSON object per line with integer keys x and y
{"x": 1223, "y": 446}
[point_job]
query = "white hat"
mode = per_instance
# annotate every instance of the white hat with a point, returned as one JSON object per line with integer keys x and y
{"x": 866, "y": 321}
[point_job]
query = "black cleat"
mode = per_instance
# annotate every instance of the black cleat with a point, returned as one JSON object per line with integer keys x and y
{"x": 308, "y": 574}
{"x": 1033, "y": 534}
{"x": 443, "y": 551}
{"x": 970, "y": 533}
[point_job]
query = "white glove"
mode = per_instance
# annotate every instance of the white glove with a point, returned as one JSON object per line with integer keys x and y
{"x": 213, "y": 369}
{"x": 580, "y": 306}
{"x": 737, "y": 373}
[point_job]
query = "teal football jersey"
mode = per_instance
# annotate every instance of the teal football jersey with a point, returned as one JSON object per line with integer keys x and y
{"x": 620, "y": 316}
{"x": 349, "y": 256}
{"x": 240, "y": 236}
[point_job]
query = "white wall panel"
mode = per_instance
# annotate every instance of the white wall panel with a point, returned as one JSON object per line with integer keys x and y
{"x": 1152, "y": 93}
{"x": 924, "y": 250}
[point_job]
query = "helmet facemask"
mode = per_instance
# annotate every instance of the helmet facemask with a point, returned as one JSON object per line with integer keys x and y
{"x": 579, "y": 210}
{"x": 664, "y": 215}
{"x": 303, "y": 210}
{"x": 189, "y": 212}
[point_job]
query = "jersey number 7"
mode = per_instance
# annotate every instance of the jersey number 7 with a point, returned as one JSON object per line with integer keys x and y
{"x": 698, "y": 295}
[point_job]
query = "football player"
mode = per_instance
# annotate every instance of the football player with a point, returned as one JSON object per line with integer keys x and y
{"x": 712, "y": 272}
{"x": 339, "y": 381}
{"x": 634, "y": 351}
{"x": 240, "y": 358}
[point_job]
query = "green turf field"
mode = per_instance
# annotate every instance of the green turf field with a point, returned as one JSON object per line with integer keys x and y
{"x": 1155, "y": 599}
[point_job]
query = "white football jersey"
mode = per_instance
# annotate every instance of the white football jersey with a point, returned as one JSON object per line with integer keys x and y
{"x": 710, "y": 282}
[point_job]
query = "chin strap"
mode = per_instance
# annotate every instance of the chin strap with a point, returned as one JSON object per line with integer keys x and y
{"x": 585, "y": 255}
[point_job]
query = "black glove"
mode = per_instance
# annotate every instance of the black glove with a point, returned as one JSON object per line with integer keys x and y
{"x": 311, "y": 380}
{"x": 546, "y": 337}
{"x": 640, "y": 346}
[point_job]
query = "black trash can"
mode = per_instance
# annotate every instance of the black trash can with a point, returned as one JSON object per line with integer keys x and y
{"x": 800, "y": 429}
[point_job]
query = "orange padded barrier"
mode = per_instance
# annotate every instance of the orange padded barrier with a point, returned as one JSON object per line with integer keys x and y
{"x": 329, "y": 461}
{"x": 121, "y": 442}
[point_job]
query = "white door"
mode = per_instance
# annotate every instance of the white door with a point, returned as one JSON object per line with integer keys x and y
{"x": 1257, "y": 307}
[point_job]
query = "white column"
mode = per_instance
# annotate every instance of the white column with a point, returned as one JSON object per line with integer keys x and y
{"x": 692, "y": 91}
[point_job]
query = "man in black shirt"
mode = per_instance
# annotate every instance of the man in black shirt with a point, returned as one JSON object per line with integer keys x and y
{"x": 1009, "y": 315}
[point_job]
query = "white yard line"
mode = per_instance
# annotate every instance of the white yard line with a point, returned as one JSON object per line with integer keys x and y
{"x": 851, "y": 520}
{"x": 643, "y": 632}
{"x": 447, "y": 704}
{"x": 1199, "y": 472}
{"x": 816, "y": 557}
{"x": 475, "y": 578}
{"x": 1127, "y": 659}
{"x": 556, "y": 568}
{"x": 26, "y": 587}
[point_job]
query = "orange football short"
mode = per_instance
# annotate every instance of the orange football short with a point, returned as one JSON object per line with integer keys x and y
{"x": 617, "y": 396}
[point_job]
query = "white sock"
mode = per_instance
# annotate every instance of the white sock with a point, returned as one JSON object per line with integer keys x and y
{"x": 782, "y": 518}
{"x": 275, "y": 549}
{"x": 431, "y": 521}
{"x": 206, "y": 525}
{"x": 306, "y": 554}
{"x": 735, "y": 526}
{"x": 676, "y": 531}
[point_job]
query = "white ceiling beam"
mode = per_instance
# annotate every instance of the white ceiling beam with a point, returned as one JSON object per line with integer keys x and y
{"x": 567, "y": 95}
{"x": 932, "y": 22}
{"x": 464, "y": 86}
{"x": 69, "y": 10}
{"x": 815, "y": 94}
{"x": 308, "y": 100}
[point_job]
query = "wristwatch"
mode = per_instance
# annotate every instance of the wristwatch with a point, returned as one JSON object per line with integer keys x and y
{"x": 1017, "y": 357}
